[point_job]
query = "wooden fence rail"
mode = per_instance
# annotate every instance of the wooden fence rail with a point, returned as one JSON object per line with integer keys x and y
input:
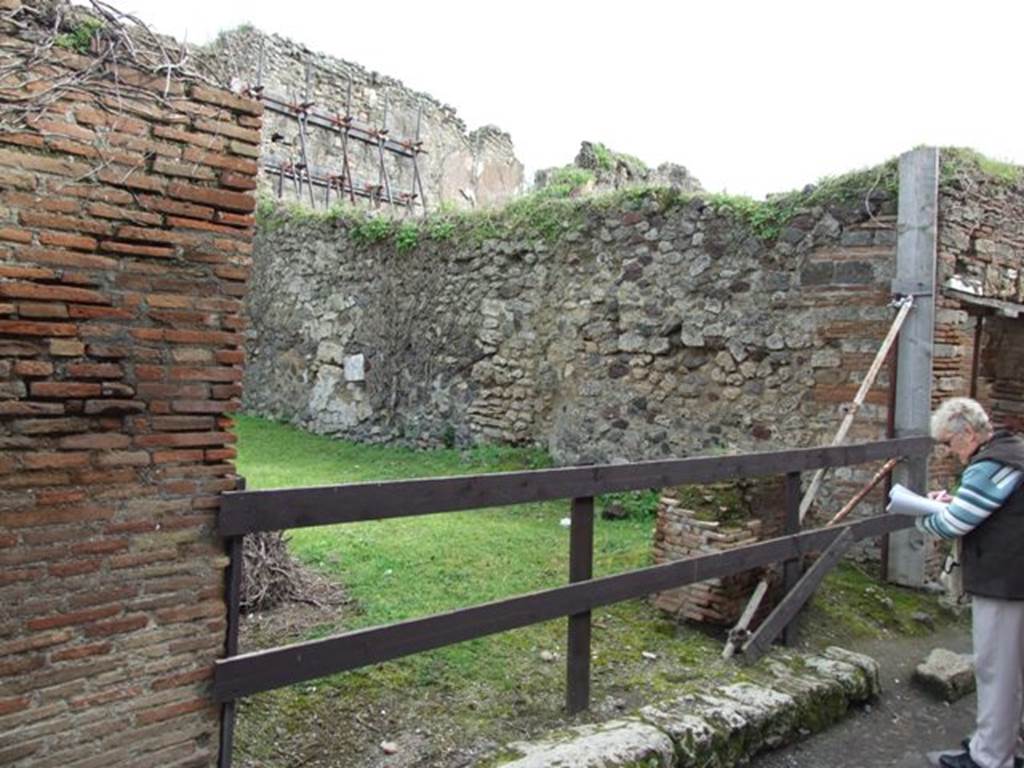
{"x": 245, "y": 512}
{"x": 251, "y": 511}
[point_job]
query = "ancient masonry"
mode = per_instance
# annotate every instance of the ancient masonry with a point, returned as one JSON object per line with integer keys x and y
{"x": 125, "y": 240}
{"x": 695, "y": 521}
{"x": 461, "y": 168}
{"x": 632, "y": 326}
{"x": 639, "y": 326}
{"x": 636, "y": 326}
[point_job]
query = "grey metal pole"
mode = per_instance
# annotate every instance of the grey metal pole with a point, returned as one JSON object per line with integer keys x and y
{"x": 916, "y": 256}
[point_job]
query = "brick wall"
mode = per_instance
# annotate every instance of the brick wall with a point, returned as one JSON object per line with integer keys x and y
{"x": 1002, "y": 370}
{"x": 699, "y": 520}
{"x": 851, "y": 297}
{"x": 981, "y": 258}
{"x": 125, "y": 230}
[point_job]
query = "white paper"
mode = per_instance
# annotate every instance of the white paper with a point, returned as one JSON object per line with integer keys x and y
{"x": 903, "y": 501}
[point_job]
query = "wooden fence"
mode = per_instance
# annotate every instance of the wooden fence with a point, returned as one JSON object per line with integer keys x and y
{"x": 244, "y": 512}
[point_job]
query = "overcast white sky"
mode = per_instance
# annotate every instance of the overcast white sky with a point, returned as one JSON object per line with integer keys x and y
{"x": 753, "y": 97}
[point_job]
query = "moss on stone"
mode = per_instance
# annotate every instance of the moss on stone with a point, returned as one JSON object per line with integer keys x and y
{"x": 960, "y": 162}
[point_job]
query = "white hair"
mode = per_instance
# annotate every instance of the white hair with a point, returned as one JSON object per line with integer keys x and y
{"x": 956, "y": 414}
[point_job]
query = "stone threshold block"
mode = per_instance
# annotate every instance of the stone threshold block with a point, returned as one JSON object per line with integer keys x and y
{"x": 948, "y": 675}
{"x": 798, "y": 695}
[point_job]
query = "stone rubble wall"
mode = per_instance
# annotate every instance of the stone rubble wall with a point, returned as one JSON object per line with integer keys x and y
{"x": 460, "y": 168}
{"x": 645, "y": 330}
{"x": 609, "y": 171}
{"x": 125, "y": 241}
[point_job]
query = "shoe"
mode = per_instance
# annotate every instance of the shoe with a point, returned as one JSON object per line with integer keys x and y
{"x": 1018, "y": 761}
{"x": 960, "y": 760}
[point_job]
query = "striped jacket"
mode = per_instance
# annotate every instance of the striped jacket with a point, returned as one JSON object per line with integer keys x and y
{"x": 988, "y": 512}
{"x": 984, "y": 488}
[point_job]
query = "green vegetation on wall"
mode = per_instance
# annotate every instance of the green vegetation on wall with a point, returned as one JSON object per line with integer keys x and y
{"x": 79, "y": 39}
{"x": 557, "y": 209}
{"x": 958, "y": 162}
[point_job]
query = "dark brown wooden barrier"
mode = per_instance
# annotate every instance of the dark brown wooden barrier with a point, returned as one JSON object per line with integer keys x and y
{"x": 250, "y": 511}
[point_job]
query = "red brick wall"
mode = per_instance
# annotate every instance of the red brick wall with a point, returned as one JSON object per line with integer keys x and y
{"x": 125, "y": 231}
{"x": 853, "y": 316}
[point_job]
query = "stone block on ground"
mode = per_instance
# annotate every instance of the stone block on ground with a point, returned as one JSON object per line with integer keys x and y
{"x": 948, "y": 675}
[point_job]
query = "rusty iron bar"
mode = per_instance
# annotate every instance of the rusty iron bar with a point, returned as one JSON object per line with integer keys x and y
{"x": 979, "y": 328}
{"x": 346, "y": 122}
{"x": 363, "y": 190}
{"x": 382, "y": 136}
{"x": 301, "y": 116}
{"x": 359, "y": 132}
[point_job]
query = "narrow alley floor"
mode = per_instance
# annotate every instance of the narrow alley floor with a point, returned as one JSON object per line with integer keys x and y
{"x": 901, "y": 727}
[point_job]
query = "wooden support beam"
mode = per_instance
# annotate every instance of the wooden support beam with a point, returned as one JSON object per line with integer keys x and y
{"x": 905, "y": 305}
{"x": 785, "y": 611}
{"x": 581, "y": 568}
{"x": 791, "y": 569}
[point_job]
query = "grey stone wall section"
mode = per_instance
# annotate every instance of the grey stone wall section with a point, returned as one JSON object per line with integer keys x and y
{"x": 645, "y": 332}
{"x": 461, "y": 168}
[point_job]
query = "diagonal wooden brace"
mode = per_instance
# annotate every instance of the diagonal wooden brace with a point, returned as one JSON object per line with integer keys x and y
{"x": 784, "y": 612}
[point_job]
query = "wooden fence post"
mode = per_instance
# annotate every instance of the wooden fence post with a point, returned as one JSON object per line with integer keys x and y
{"x": 791, "y": 569}
{"x": 236, "y": 562}
{"x": 581, "y": 568}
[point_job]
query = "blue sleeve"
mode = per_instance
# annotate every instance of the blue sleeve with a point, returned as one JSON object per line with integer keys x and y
{"x": 984, "y": 488}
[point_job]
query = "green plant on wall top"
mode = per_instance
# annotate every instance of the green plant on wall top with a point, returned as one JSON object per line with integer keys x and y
{"x": 371, "y": 229}
{"x": 565, "y": 182}
{"x": 959, "y": 162}
{"x": 605, "y": 158}
{"x": 79, "y": 39}
{"x": 555, "y": 211}
{"x": 407, "y": 237}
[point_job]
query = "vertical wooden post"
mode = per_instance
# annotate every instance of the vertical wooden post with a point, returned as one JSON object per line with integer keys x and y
{"x": 581, "y": 568}
{"x": 791, "y": 569}
{"x": 916, "y": 256}
{"x": 236, "y": 562}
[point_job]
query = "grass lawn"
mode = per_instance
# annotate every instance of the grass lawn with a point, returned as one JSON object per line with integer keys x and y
{"x": 443, "y": 707}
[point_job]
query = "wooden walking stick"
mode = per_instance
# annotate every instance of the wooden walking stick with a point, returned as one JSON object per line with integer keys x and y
{"x": 859, "y": 497}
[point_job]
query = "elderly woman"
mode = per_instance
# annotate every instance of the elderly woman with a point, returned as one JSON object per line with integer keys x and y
{"x": 987, "y": 511}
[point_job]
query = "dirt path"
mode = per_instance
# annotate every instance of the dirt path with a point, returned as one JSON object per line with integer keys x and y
{"x": 901, "y": 727}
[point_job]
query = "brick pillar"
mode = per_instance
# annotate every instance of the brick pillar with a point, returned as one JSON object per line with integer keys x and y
{"x": 125, "y": 242}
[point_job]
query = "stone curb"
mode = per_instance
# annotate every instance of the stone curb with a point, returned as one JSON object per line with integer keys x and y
{"x": 720, "y": 728}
